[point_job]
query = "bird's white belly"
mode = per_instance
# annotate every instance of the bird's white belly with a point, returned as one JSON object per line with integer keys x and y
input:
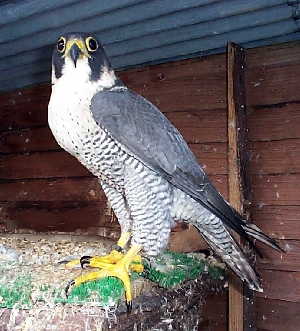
{"x": 76, "y": 131}
{"x": 71, "y": 122}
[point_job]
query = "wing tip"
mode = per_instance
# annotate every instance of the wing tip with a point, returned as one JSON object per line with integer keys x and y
{"x": 255, "y": 287}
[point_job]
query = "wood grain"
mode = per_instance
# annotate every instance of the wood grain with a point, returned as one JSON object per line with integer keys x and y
{"x": 33, "y": 139}
{"x": 275, "y": 157}
{"x": 273, "y": 85}
{"x": 277, "y": 315}
{"x": 195, "y": 128}
{"x": 276, "y": 190}
{"x": 203, "y": 126}
{"x": 215, "y": 313}
{"x": 273, "y": 260}
{"x": 276, "y": 122}
{"x": 54, "y": 189}
{"x": 281, "y": 222}
{"x": 277, "y": 284}
{"x": 58, "y": 164}
{"x": 280, "y": 55}
{"x": 48, "y": 164}
{"x": 67, "y": 189}
{"x": 62, "y": 216}
{"x": 241, "y": 311}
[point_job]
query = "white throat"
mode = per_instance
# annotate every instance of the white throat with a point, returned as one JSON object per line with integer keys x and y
{"x": 77, "y": 77}
{"x": 69, "y": 112}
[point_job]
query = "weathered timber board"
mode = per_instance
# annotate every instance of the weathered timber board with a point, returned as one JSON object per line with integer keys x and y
{"x": 277, "y": 190}
{"x": 277, "y": 315}
{"x": 201, "y": 83}
{"x": 240, "y": 317}
{"x": 68, "y": 189}
{"x": 59, "y": 164}
{"x": 215, "y": 313}
{"x": 274, "y": 123}
{"x": 273, "y": 260}
{"x": 208, "y": 84}
{"x": 279, "y": 55}
{"x": 25, "y": 95}
{"x": 282, "y": 120}
{"x": 24, "y": 116}
{"x": 61, "y": 216}
{"x": 275, "y": 157}
{"x": 164, "y": 73}
{"x": 273, "y": 85}
{"x": 24, "y": 108}
{"x": 55, "y": 189}
{"x": 211, "y": 95}
{"x": 280, "y": 285}
{"x": 278, "y": 221}
{"x": 202, "y": 126}
{"x": 34, "y": 139}
{"x": 267, "y": 82}
{"x": 196, "y": 128}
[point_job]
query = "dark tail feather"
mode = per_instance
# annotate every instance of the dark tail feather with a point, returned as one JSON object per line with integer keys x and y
{"x": 255, "y": 232}
{"x": 235, "y": 221}
{"x": 231, "y": 253}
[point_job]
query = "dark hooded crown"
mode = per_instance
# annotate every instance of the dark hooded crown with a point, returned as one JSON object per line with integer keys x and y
{"x": 97, "y": 58}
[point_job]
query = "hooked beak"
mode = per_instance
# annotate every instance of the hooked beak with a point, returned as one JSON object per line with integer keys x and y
{"x": 74, "y": 53}
{"x": 76, "y": 49}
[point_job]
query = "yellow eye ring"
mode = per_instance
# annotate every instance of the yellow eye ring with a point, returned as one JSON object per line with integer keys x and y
{"x": 91, "y": 44}
{"x": 61, "y": 44}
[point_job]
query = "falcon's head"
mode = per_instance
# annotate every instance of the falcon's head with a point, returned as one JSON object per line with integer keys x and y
{"x": 80, "y": 55}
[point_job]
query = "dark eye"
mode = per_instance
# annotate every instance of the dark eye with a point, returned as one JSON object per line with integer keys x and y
{"x": 92, "y": 44}
{"x": 61, "y": 44}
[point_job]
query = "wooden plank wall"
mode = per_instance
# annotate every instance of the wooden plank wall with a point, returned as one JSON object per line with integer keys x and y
{"x": 273, "y": 94}
{"x": 43, "y": 188}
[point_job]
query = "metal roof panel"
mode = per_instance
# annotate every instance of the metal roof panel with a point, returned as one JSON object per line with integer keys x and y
{"x": 135, "y": 32}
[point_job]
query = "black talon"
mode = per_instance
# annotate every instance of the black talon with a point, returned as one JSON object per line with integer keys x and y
{"x": 118, "y": 248}
{"x": 61, "y": 262}
{"x": 129, "y": 307}
{"x": 85, "y": 260}
{"x": 71, "y": 283}
{"x": 66, "y": 261}
{"x": 147, "y": 266}
{"x": 146, "y": 272}
{"x": 206, "y": 252}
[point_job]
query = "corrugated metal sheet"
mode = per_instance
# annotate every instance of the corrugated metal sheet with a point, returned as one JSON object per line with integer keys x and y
{"x": 135, "y": 32}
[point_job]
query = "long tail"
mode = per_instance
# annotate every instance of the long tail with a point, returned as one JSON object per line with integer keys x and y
{"x": 223, "y": 242}
{"x": 255, "y": 232}
{"x": 232, "y": 220}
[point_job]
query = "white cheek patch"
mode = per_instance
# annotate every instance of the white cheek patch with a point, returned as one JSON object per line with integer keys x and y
{"x": 108, "y": 78}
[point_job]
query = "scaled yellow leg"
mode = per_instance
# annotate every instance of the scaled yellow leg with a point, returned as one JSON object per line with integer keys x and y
{"x": 120, "y": 270}
{"x": 113, "y": 257}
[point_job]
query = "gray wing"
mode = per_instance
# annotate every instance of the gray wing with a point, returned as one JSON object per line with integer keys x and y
{"x": 147, "y": 135}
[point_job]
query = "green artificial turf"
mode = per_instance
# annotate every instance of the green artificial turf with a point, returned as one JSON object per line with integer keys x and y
{"x": 16, "y": 293}
{"x": 167, "y": 270}
{"x": 103, "y": 292}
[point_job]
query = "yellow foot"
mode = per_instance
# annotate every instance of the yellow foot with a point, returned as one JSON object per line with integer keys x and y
{"x": 103, "y": 263}
{"x": 120, "y": 269}
{"x": 113, "y": 257}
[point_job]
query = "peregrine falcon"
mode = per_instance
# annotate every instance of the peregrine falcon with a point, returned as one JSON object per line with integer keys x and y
{"x": 150, "y": 176}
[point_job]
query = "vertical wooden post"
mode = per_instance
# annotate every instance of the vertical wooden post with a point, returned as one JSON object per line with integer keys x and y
{"x": 241, "y": 299}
